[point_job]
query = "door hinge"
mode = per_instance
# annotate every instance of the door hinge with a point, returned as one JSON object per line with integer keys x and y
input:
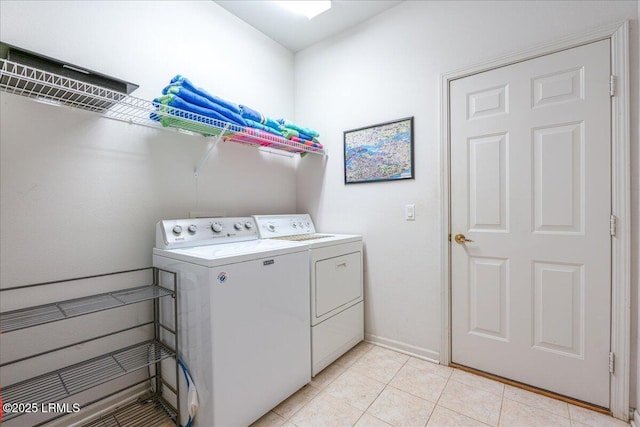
{"x": 612, "y": 224}
{"x": 612, "y": 85}
{"x": 612, "y": 361}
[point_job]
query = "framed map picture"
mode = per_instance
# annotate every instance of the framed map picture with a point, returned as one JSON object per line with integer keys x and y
{"x": 382, "y": 152}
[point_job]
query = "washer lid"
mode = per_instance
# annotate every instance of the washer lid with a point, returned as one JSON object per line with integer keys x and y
{"x": 321, "y": 240}
{"x": 230, "y": 253}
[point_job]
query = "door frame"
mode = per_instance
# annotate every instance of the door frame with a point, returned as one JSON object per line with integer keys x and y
{"x": 618, "y": 34}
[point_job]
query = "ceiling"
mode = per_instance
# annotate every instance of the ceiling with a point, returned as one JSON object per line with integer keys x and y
{"x": 296, "y": 32}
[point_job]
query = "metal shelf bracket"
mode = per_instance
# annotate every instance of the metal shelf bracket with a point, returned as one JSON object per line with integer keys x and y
{"x": 211, "y": 146}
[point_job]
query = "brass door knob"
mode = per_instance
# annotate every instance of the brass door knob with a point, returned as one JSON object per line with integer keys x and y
{"x": 461, "y": 239}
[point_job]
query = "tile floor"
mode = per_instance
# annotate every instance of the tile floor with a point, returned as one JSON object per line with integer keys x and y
{"x": 371, "y": 386}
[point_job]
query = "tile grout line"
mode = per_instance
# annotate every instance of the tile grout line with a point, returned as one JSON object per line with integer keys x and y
{"x": 440, "y": 397}
{"x": 288, "y": 420}
{"x": 378, "y": 395}
{"x": 501, "y": 405}
{"x": 388, "y": 384}
{"x": 570, "y": 416}
{"x": 323, "y": 389}
{"x": 420, "y": 397}
{"x": 475, "y": 387}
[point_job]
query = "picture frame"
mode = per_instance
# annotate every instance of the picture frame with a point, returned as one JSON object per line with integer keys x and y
{"x": 381, "y": 152}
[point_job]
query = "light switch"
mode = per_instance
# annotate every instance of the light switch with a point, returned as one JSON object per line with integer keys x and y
{"x": 410, "y": 212}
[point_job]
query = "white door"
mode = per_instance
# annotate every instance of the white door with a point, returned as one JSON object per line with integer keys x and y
{"x": 531, "y": 186}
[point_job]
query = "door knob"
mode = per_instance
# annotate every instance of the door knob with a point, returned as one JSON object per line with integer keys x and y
{"x": 461, "y": 240}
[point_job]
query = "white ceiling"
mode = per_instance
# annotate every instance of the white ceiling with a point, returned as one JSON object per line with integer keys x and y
{"x": 296, "y": 32}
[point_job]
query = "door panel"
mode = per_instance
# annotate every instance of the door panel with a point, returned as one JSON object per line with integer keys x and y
{"x": 487, "y": 186}
{"x": 531, "y": 187}
{"x": 558, "y": 87}
{"x": 558, "y": 308}
{"x": 558, "y": 167}
{"x": 488, "y": 308}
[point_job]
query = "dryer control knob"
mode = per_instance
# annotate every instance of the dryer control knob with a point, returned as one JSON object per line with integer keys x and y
{"x": 216, "y": 227}
{"x": 248, "y": 225}
{"x": 177, "y": 229}
{"x": 192, "y": 228}
{"x": 237, "y": 226}
{"x": 271, "y": 227}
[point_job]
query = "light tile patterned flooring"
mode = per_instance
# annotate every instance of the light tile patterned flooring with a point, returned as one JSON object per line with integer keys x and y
{"x": 371, "y": 386}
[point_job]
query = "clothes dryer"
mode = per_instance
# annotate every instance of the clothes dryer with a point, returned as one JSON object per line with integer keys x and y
{"x": 335, "y": 280}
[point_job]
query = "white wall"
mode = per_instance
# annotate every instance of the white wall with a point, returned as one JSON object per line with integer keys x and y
{"x": 388, "y": 68}
{"x": 81, "y": 194}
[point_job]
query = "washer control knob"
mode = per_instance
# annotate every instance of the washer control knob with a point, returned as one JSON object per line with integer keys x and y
{"x": 271, "y": 227}
{"x": 192, "y": 228}
{"x": 216, "y": 227}
{"x": 237, "y": 226}
{"x": 177, "y": 230}
{"x": 295, "y": 225}
{"x": 248, "y": 225}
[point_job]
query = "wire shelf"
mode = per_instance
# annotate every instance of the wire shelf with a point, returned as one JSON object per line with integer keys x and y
{"x": 65, "y": 382}
{"x": 52, "y": 88}
{"x": 148, "y": 412}
{"x": 38, "y": 315}
{"x": 34, "y": 83}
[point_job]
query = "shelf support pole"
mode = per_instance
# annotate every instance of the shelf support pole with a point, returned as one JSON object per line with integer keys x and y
{"x": 212, "y": 145}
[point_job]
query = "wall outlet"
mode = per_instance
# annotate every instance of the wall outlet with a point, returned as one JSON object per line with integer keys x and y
{"x": 410, "y": 212}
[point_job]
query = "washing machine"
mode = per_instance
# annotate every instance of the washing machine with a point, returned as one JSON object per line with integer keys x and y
{"x": 336, "y": 284}
{"x": 243, "y": 315}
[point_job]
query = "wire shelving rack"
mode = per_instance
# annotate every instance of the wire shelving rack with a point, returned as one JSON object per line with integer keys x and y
{"x": 71, "y": 380}
{"x": 38, "y": 315}
{"x": 59, "y": 90}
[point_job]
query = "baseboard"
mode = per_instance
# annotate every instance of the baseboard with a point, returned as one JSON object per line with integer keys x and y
{"x": 419, "y": 352}
{"x": 635, "y": 420}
